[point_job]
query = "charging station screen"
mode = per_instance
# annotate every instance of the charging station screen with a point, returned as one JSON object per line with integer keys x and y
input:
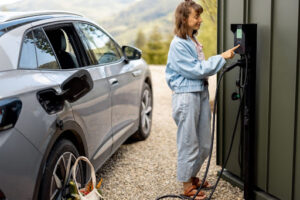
{"x": 239, "y": 34}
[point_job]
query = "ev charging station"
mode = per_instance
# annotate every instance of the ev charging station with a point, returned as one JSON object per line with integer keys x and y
{"x": 246, "y": 36}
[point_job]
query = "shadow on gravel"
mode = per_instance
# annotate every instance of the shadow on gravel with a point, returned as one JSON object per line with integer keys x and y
{"x": 113, "y": 161}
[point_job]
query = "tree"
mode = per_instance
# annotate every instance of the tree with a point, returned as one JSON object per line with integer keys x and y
{"x": 140, "y": 39}
{"x": 210, "y": 6}
{"x": 207, "y": 35}
{"x": 155, "y": 51}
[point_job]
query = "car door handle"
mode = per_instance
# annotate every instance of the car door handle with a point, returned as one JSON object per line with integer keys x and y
{"x": 113, "y": 81}
{"x": 137, "y": 73}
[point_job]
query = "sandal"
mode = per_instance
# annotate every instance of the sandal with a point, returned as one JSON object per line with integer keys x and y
{"x": 191, "y": 191}
{"x": 197, "y": 183}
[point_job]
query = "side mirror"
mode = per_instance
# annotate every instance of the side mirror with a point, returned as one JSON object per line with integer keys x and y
{"x": 75, "y": 87}
{"x": 131, "y": 53}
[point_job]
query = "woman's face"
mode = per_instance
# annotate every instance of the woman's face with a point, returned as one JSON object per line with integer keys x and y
{"x": 194, "y": 21}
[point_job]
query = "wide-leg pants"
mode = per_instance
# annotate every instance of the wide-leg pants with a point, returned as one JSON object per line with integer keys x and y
{"x": 192, "y": 114}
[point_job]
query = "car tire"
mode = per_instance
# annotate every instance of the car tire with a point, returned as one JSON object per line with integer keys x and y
{"x": 145, "y": 114}
{"x": 57, "y": 165}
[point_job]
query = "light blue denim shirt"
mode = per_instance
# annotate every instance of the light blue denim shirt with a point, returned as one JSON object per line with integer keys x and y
{"x": 184, "y": 71}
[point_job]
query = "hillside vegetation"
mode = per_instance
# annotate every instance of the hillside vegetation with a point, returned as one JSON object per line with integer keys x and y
{"x": 155, "y": 40}
{"x": 148, "y": 24}
{"x": 143, "y": 15}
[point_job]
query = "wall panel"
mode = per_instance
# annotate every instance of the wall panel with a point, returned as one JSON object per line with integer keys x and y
{"x": 260, "y": 13}
{"x": 283, "y": 89}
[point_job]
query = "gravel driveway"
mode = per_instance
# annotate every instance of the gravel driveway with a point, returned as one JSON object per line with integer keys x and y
{"x": 145, "y": 170}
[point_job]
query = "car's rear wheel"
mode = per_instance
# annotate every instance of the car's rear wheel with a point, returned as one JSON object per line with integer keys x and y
{"x": 146, "y": 107}
{"x": 58, "y": 166}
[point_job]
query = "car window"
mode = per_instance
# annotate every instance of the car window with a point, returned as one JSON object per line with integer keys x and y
{"x": 45, "y": 55}
{"x": 28, "y": 55}
{"x": 99, "y": 45}
{"x": 63, "y": 42}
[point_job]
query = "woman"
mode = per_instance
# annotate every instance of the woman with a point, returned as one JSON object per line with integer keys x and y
{"x": 186, "y": 74}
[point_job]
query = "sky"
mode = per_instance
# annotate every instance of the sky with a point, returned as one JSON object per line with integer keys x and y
{"x": 94, "y": 9}
{"x": 8, "y": 2}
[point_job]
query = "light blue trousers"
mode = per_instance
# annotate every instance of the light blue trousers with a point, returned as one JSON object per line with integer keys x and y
{"x": 192, "y": 114}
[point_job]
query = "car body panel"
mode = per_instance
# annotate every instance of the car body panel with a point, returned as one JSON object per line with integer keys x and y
{"x": 10, "y": 45}
{"x": 125, "y": 99}
{"x": 19, "y": 165}
{"x": 26, "y": 84}
{"x": 92, "y": 112}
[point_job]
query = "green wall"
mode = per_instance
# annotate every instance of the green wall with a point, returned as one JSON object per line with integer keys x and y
{"x": 277, "y": 150}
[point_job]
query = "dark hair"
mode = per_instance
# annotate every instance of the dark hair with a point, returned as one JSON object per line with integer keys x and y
{"x": 181, "y": 15}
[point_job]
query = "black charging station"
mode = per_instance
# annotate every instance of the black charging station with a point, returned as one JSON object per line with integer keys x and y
{"x": 245, "y": 35}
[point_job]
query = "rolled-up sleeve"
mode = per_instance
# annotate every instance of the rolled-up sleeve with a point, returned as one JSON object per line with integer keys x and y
{"x": 189, "y": 67}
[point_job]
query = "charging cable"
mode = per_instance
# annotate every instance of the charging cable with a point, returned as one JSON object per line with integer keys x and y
{"x": 239, "y": 63}
{"x": 226, "y": 69}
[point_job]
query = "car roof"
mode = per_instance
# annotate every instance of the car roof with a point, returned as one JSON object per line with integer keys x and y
{"x": 10, "y": 16}
{"x": 12, "y": 20}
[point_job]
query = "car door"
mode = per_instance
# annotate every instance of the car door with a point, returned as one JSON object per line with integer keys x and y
{"x": 125, "y": 85}
{"x": 122, "y": 78}
{"x": 92, "y": 112}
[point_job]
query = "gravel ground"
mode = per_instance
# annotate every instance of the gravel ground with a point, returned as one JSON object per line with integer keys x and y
{"x": 147, "y": 169}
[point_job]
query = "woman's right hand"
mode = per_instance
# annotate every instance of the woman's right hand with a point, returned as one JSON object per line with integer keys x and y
{"x": 229, "y": 53}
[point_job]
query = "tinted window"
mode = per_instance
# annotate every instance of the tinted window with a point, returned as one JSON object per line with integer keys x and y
{"x": 64, "y": 44}
{"x": 45, "y": 55}
{"x": 28, "y": 56}
{"x": 99, "y": 45}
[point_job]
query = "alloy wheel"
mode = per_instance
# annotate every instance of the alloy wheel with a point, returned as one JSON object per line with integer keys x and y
{"x": 146, "y": 111}
{"x": 61, "y": 174}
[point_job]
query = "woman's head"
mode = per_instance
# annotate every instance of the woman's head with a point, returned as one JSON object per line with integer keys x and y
{"x": 187, "y": 18}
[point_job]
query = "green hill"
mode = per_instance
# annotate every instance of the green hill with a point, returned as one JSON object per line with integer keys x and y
{"x": 124, "y": 18}
{"x": 143, "y": 15}
{"x": 147, "y": 15}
